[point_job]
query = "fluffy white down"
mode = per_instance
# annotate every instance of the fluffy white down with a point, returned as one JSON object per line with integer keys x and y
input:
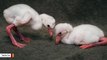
{"x": 82, "y": 34}
{"x": 63, "y": 27}
{"x": 47, "y": 20}
{"x": 21, "y": 14}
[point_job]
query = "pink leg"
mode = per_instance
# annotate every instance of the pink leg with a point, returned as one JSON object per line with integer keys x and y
{"x": 103, "y": 41}
{"x": 14, "y": 42}
{"x": 25, "y": 39}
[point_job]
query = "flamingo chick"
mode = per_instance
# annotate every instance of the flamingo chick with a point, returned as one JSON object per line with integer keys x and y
{"x": 22, "y": 14}
{"x": 85, "y": 35}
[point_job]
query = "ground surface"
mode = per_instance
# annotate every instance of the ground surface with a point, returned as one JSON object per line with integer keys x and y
{"x": 42, "y": 47}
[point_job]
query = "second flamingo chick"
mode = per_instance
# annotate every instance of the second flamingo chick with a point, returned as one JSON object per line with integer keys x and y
{"x": 85, "y": 35}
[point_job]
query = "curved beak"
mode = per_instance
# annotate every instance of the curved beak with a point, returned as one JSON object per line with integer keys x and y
{"x": 58, "y": 39}
{"x": 50, "y": 31}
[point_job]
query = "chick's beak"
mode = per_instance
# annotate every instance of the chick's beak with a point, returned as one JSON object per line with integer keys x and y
{"x": 50, "y": 31}
{"x": 58, "y": 39}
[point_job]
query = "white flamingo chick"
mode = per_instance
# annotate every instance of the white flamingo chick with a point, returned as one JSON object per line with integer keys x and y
{"x": 22, "y": 14}
{"x": 85, "y": 35}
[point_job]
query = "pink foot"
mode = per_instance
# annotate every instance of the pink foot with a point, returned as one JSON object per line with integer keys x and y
{"x": 20, "y": 45}
{"x": 86, "y": 46}
{"x": 25, "y": 39}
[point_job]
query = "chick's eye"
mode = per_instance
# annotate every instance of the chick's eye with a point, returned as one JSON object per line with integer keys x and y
{"x": 48, "y": 25}
{"x": 60, "y": 33}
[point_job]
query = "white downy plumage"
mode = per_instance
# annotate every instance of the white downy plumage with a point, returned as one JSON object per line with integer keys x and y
{"x": 22, "y": 14}
{"x": 79, "y": 35}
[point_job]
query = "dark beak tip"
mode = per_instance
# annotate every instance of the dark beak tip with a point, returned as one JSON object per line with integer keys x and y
{"x": 56, "y": 43}
{"x": 51, "y": 36}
